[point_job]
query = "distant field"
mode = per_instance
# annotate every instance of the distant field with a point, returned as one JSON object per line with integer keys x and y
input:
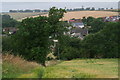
{"x": 81, "y": 14}
{"x": 67, "y": 16}
{"x": 20, "y": 16}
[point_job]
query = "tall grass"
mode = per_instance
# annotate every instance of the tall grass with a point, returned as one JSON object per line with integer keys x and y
{"x": 15, "y": 66}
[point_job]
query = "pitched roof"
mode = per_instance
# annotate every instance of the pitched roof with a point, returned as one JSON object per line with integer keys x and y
{"x": 80, "y": 30}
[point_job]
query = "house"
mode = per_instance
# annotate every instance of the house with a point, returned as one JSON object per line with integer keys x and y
{"x": 111, "y": 18}
{"x": 76, "y": 23}
{"x": 79, "y": 32}
{"x": 77, "y": 29}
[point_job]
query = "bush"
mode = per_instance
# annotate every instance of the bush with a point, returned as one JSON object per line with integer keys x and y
{"x": 69, "y": 48}
{"x": 103, "y": 43}
{"x": 7, "y": 43}
{"x": 70, "y": 53}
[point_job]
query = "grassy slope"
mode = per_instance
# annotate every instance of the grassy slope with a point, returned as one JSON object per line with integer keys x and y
{"x": 15, "y": 67}
{"x": 97, "y": 68}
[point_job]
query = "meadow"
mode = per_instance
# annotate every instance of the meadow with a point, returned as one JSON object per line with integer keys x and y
{"x": 15, "y": 67}
{"x": 20, "y": 16}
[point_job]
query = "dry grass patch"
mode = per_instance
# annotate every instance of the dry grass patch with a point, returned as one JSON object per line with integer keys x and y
{"x": 81, "y": 14}
{"x": 20, "y": 16}
{"x": 14, "y": 66}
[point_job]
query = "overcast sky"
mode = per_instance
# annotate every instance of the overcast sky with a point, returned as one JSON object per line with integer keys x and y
{"x": 60, "y": 0}
{"x": 6, "y": 6}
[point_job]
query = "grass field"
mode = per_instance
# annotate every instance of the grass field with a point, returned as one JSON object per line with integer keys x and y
{"x": 15, "y": 67}
{"x": 84, "y": 68}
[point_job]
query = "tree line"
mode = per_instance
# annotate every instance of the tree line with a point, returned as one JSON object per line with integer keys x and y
{"x": 74, "y": 9}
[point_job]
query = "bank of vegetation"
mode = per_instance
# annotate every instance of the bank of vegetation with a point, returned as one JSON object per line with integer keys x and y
{"x": 33, "y": 41}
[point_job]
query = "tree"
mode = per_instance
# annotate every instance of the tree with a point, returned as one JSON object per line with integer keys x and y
{"x": 111, "y": 8}
{"x": 88, "y": 8}
{"x": 57, "y": 26}
{"x": 32, "y": 39}
{"x": 13, "y": 11}
{"x": 96, "y": 25}
{"x": 93, "y": 9}
{"x": 27, "y": 10}
{"x": 69, "y": 47}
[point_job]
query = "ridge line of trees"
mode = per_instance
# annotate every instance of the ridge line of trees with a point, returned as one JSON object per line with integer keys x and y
{"x": 75, "y": 9}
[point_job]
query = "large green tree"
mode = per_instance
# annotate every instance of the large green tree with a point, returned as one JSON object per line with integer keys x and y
{"x": 57, "y": 26}
{"x": 32, "y": 39}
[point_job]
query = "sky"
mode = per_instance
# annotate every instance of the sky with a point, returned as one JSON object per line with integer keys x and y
{"x": 6, "y": 6}
{"x": 60, "y": 0}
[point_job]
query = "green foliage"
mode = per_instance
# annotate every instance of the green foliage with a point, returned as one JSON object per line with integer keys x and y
{"x": 70, "y": 53}
{"x": 31, "y": 40}
{"x": 55, "y": 15}
{"x": 57, "y": 27}
{"x": 96, "y": 24}
{"x": 69, "y": 47}
{"x": 7, "y": 43}
{"x": 104, "y": 43}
